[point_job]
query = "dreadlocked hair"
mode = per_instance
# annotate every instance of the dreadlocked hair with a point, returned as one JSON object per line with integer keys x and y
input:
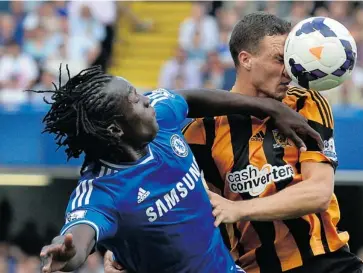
{"x": 80, "y": 113}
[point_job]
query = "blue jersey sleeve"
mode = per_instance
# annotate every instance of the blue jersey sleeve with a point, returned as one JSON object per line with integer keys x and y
{"x": 171, "y": 109}
{"x": 92, "y": 204}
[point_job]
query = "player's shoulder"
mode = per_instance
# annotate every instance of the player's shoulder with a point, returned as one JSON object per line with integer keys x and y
{"x": 297, "y": 93}
{"x": 99, "y": 178}
{"x": 311, "y": 104}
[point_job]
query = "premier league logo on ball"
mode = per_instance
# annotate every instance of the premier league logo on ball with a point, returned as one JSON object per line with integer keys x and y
{"x": 179, "y": 146}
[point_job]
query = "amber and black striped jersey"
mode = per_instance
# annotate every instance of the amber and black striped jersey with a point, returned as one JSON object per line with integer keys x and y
{"x": 244, "y": 157}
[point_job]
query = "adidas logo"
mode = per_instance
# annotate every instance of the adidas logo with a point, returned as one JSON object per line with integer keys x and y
{"x": 142, "y": 194}
{"x": 258, "y": 137}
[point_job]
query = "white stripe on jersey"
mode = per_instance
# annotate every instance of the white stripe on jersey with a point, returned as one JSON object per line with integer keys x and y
{"x": 102, "y": 172}
{"x": 108, "y": 171}
{"x": 158, "y": 93}
{"x": 90, "y": 188}
{"x": 155, "y": 95}
{"x": 157, "y": 100}
{"x": 84, "y": 189}
{"x": 77, "y": 195}
{"x": 151, "y": 157}
{"x": 239, "y": 269}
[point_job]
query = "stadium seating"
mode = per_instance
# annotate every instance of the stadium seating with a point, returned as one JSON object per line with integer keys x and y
{"x": 140, "y": 55}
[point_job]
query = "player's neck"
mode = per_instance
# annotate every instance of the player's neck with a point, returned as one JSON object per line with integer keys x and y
{"x": 244, "y": 86}
{"x": 127, "y": 155}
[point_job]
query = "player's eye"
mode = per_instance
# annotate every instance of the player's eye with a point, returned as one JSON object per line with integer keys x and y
{"x": 137, "y": 97}
{"x": 280, "y": 59}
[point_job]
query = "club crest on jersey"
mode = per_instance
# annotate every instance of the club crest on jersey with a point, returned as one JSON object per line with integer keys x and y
{"x": 281, "y": 140}
{"x": 178, "y": 145}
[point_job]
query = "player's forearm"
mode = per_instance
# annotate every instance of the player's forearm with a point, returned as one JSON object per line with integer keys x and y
{"x": 292, "y": 202}
{"x": 84, "y": 242}
{"x": 208, "y": 102}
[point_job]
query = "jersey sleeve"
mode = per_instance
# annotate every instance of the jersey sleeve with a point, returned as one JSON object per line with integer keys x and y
{"x": 200, "y": 135}
{"x": 319, "y": 114}
{"x": 171, "y": 109}
{"x": 92, "y": 205}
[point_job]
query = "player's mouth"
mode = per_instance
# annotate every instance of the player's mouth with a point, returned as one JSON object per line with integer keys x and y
{"x": 285, "y": 83}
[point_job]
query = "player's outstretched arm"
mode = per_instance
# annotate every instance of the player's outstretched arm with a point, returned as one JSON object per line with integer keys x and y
{"x": 68, "y": 252}
{"x": 206, "y": 102}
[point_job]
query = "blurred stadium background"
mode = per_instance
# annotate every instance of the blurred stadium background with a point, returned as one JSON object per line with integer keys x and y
{"x": 166, "y": 44}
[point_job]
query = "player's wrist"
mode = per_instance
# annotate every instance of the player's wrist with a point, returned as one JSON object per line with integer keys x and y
{"x": 241, "y": 210}
{"x": 248, "y": 209}
{"x": 272, "y": 107}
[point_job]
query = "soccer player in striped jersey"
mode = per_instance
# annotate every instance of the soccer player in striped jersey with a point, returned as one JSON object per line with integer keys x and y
{"x": 141, "y": 194}
{"x": 281, "y": 211}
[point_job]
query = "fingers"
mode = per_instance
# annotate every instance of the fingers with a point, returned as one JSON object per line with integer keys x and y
{"x": 112, "y": 269}
{"x": 49, "y": 250}
{"x": 218, "y": 215}
{"x": 218, "y": 220}
{"x": 216, "y": 212}
{"x": 46, "y": 260}
{"x": 117, "y": 266}
{"x": 298, "y": 141}
{"x": 112, "y": 266}
{"x": 68, "y": 241}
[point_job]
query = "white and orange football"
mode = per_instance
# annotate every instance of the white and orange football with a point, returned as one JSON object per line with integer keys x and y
{"x": 320, "y": 53}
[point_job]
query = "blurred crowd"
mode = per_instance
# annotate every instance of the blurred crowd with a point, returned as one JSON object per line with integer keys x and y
{"x": 19, "y": 250}
{"x": 36, "y": 36}
{"x": 203, "y": 59}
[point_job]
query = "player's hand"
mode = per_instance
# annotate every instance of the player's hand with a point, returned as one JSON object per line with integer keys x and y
{"x": 294, "y": 126}
{"x": 224, "y": 210}
{"x": 55, "y": 257}
{"x": 110, "y": 265}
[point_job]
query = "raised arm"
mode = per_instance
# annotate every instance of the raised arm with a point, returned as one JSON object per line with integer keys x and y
{"x": 207, "y": 102}
{"x": 210, "y": 102}
{"x": 69, "y": 251}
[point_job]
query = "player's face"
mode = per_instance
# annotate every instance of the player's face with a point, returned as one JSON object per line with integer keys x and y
{"x": 137, "y": 119}
{"x": 140, "y": 122}
{"x": 268, "y": 72}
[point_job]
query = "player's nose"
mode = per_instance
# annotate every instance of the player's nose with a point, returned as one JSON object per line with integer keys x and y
{"x": 285, "y": 74}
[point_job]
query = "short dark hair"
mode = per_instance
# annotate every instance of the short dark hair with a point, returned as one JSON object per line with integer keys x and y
{"x": 251, "y": 29}
{"x": 80, "y": 113}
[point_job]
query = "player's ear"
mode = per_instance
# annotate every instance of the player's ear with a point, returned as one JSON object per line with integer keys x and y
{"x": 245, "y": 60}
{"x": 115, "y": 130}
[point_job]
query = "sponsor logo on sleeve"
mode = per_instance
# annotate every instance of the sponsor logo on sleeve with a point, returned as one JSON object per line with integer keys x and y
{"x": 329, "y": 149}
{"x": 75, "y": 215}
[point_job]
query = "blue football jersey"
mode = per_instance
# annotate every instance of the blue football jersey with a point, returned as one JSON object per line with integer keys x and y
{"x": 154, "y": 214}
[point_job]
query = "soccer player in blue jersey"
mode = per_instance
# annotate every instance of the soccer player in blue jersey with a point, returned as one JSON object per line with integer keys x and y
{"x": 141, "y": 194}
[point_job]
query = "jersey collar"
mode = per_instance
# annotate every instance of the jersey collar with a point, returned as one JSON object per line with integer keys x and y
{"x": 146, "y": 158}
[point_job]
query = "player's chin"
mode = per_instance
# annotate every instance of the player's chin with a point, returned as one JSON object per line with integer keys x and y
{"x": 154, "y": 130}
{"x": 281, "y": 91}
